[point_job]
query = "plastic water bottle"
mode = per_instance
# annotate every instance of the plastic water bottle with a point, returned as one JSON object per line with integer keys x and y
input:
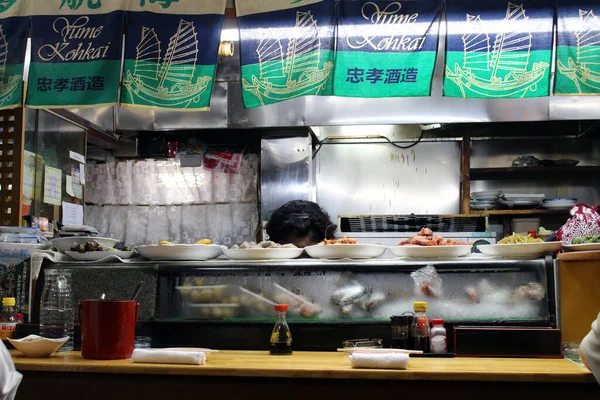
{"x": 56, "y": 307}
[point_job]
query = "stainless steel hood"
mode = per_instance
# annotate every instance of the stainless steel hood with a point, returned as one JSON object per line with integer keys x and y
{"x": 227, "y": 110}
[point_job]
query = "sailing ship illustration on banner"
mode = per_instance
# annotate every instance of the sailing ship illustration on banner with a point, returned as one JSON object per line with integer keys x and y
{"x": 586, "y": 69}
{"x": 296, "y": 74}
{"x": 8, "y": 84}
{"x": 503, "y": 71}
{"x": 167, "y": 81}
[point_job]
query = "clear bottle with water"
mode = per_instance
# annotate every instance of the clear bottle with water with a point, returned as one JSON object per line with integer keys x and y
{"x": 56, "y": 307}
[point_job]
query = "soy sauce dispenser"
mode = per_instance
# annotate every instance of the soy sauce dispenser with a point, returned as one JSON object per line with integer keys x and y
{"x": 281, "y": 337}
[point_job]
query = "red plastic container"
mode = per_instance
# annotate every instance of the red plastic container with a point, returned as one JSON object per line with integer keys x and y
{"x": 107, "y": 328}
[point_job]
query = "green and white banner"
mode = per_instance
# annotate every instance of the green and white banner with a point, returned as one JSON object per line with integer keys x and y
{"x": 286, "y": 49}
{"x": 76, "y": 51}
{"x": 14, "y": 25}
{"x": 386, "y": 48}
{"x": 171, "y": 53}
{"x": 578, "y": 48}
{"x": 498, "y": 49}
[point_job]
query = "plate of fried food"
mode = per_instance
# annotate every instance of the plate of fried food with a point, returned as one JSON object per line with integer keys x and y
{"x": 520, "y": 246}
{"x": 266, "y": 250}
{"x": 427, "y": 245}
{"x": 202, "y": 250}
{"x": 344, "y": 248}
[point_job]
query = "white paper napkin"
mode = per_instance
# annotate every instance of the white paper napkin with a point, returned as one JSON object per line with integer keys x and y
{"x": 158, "y": 356}
{"x": 383, "y": 360}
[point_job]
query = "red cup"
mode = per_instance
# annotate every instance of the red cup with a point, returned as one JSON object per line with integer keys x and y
{"x": 108, "y": 328}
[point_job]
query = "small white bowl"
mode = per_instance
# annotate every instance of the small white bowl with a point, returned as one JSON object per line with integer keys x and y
{"x": 37, "y": 346}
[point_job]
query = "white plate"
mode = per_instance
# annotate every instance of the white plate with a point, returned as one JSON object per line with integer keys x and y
{"x": 345, "y": 250}
{"x": 64, "y": 244}
{"x": 180, "y": 252}
{"x": 521, "y": 250}
{"x": 98, "y": 255}
{"x": 23, "y": 246}
{"x": 522, "y": 197}
{"x": 558, "y": 205}
{"x": 485, "y": 199}
{"x": 483, "y": 206}
{"x": 486, "y": 193}
{"x": 582, "y": 247}
{"x": 520, "y": 203}
{"x": 430, "y": 251}
{"x": 40, "y": 347}
{"x": 262, "y": 254}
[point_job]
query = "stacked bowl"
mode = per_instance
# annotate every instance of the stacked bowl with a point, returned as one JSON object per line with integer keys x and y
{"x": 485, "y": 200}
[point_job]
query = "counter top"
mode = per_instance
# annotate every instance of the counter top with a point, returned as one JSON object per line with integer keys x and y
{"x": 325, "y": 365}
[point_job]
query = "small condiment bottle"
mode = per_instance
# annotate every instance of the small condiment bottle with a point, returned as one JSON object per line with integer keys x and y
{"x": 281, "y": 337}
{"x": 439, "y": 343}
{"x": 420, "y": 327}
{"x": 401, "y": 326}
{"x": 9, "y": 319}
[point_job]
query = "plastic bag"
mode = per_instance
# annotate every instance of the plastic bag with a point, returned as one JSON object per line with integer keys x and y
{"x": 584, "y": 221}
{"x": 427, "y": 282}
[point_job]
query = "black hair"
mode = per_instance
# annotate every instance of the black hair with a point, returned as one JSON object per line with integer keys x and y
{"x": 300, "y": 219}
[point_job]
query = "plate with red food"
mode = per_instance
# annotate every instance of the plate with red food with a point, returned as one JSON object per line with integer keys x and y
{"x": 427, "y": 245}
{"x": 344, "y": 248}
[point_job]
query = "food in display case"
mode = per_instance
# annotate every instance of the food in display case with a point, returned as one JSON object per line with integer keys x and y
{"x": 354, "y": 293}
{"x": 486, "y": 292}
{"x": 515, "y": 238}
{"x": 263, "y": 245}
{"x": 266, "y": 250}
{"x": 344, "y": 240}
{"x": 298, "y": 304}
{"x": 425, "y": 237}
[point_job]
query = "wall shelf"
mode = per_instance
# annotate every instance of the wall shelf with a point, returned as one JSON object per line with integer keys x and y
{"x": 530, "y": 172}
{"x": 518, "y": 212}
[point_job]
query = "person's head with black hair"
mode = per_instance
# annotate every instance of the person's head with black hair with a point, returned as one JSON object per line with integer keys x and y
{"x": 300, "y": 222}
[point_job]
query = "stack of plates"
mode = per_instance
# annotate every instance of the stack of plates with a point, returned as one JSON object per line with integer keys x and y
{"x": 559, "y": 204}
{"x": 522, "y": 200}
{"x": 485, "y": 200}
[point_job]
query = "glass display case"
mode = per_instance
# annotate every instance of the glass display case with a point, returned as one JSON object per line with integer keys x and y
{"x": 472, "y": 291}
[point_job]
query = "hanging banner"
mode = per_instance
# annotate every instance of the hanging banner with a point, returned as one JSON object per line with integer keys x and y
{"x": 498, "y": 49}
{"x": 14, "y": 25}
{"x": 386, "y": 48}
{"x": 171, "y": 53}
{"x": 76, "y": 50}
{"x": 578, "y": 48}
{"x": 286, "y": 49}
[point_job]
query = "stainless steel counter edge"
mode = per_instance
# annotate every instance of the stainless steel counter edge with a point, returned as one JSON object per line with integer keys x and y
{"x": 310, "y": 263}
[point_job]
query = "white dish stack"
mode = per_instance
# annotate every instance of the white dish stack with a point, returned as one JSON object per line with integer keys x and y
{"x": 485, "y": 200}
{"x": 522, "y": 200}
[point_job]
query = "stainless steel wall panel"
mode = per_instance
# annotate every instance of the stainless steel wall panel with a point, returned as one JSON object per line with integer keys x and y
{"x": 382, "y": 179}
{"x": 574, "y": 107}
{"x": 102, "y": 117}
{"x": 141, "y": 119}
{"x": 285, "y": 172}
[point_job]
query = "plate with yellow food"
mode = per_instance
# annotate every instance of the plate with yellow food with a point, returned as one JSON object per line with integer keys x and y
{"x": 521, "y": 247}
{"x": 201, "y": 250}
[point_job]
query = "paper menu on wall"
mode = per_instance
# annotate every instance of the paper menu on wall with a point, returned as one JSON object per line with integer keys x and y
{"x": 82, "y": 172}
{"x": 72, "y": 214}
{"x": 28, "y": 174}
{"x": 69, "y": 186}
{"x": 52, "y": 186}
{"x": 76, "y": 156}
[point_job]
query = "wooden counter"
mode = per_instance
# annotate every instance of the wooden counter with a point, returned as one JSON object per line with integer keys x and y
{"x": 326, "y": 365}
{"x": 236, "y": 373}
